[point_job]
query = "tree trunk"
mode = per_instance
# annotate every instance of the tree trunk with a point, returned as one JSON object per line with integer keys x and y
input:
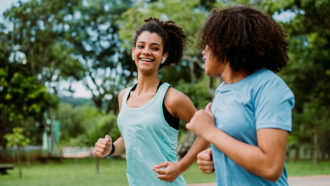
{"x": 28, "y": 159}
{"x": 186, "y": 144}
{"x": 316, "y": 148}
{"x": 19, "y": 162}
{"x": 97, "y": 165}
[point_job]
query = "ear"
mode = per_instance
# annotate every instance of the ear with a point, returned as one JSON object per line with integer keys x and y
{"x": 164, "y": 57}
{"x": 163, "y": 60}
{"x": 133, "y": 54}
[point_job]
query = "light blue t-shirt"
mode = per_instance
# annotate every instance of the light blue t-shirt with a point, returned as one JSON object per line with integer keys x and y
{"x": 261, "y": 100}
{"x": 149, "y": 140}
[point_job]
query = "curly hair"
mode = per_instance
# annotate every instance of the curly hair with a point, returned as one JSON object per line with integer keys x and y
{"x": 173, "y": 37}
{"x": 245, "y": 37}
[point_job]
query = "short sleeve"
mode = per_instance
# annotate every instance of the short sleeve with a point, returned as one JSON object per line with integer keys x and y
{"x": 273, "y": 105}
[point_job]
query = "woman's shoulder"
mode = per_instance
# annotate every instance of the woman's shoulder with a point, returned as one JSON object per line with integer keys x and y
{"x": 175, "y": 95}
{"x": 273, "y": 85}
{"x": 122, "y": 92}
{"x": 179, "y": 104}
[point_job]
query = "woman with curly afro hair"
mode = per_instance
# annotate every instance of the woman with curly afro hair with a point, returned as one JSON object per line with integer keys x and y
{"x": 249, "y": 119}
{"x": 150, "y": 112}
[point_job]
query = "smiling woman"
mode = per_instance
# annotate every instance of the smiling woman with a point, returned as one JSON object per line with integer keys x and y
{"x": 150, "y": 111}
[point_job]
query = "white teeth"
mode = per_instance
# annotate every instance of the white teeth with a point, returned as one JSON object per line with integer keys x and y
{"x": 149, "y": 60}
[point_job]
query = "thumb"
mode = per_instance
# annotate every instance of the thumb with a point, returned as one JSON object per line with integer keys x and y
{"x": 209, "y": 151}
{"x": 107, "y": 138}
{"x": 188, "y": 126}
{"x": 208, "y": 107}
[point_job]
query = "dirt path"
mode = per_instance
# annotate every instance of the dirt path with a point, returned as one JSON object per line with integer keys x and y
{"x": 323, "y": 180}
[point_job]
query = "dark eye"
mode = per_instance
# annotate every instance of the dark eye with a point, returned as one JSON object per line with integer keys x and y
{"x": 140, "y": 46}
{"x": 155, "y": 48}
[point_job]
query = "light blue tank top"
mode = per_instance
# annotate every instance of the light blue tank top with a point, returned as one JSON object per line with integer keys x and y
{"x": 149, "y": 140}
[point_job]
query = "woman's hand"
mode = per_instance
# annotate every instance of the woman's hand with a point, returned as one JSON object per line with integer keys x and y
{"x": 202, "y": 123}
{"x": 168, "y": 171}
{"x": 103, "y": 146}
{"x": 205, "y": 161}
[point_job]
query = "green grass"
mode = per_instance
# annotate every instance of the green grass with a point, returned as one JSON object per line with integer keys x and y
{"x": 307, "y": 168}
{"x": 112, "y": 172}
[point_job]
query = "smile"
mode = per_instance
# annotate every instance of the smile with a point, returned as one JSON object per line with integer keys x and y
{"x": 146, "y": 60}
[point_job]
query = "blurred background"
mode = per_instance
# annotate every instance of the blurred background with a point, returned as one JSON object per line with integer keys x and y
{"x": 64, "y": 62}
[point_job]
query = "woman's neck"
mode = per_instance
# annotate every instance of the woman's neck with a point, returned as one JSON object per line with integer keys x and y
{"x": 147, "y": 84}
{"x": 230, "y": 76}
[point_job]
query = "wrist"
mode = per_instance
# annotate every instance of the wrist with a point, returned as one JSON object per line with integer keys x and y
{"x": 182, "y": 166}
{"x": 210, "y": 134}
{"x": 113, "y": 149}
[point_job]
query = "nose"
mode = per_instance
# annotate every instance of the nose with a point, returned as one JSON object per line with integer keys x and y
{"x": 146, "y": 51}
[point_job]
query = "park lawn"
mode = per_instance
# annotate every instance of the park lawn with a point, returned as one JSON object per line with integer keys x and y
{"x": 82, "y": 172}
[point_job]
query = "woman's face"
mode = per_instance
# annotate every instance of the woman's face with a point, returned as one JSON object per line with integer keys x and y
{"x": 212, "y": 66}
{"x": 148, "y": 52}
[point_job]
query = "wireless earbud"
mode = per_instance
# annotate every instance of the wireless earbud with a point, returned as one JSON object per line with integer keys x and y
{"x": 163, "y": 60}
{"x": 133, "y": 56}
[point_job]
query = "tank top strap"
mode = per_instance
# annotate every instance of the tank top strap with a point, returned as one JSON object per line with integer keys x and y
{"x": 124, "y": 101}
{"x": 162, "y": 92}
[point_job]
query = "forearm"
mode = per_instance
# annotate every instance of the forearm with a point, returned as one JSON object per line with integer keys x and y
{"x": 119, "y": 147}
{"x": 252, "y": 158}
{"x": 199, "y": 145}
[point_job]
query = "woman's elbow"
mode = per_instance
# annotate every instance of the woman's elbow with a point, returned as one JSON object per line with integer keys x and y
{"x": 273, "y": 174}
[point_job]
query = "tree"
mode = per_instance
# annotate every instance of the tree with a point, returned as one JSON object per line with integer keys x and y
{"x": 18, "y": 140}
{"x": 309, "y": 69}
{"x": 22, "y": 97}
{"x": 94, "y": 36}
{"x": 36, "y": 39}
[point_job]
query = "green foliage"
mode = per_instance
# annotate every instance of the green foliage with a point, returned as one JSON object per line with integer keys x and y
{"x": 198, "y": 92}
{"x": 307, "y": 73}
{"x": 16, "y": 138}
{"x": 22, "y": 97}
{"x": 94, "y": 38}
{"x": 36, "y": 39}
{"x": 83, "y": 125}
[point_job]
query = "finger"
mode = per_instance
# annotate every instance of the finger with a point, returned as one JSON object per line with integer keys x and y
{"x": 204, "y": 163}
{"x": 98, "y": 154}
{"x": 208, "y": 108}
{"x": 103, "y": 146}
{"x": 100, "y": 150}
{"x": 204, "y": 156}
{"x": 207, "y": 171}
{"x": 162, "y": 177}
{"x": 107, "y": 138}
{"x": 161, "y": 171}
{"x": 206, "y": 168}
{"x": 164, "y": 164}
{"x": 102, "y": 141}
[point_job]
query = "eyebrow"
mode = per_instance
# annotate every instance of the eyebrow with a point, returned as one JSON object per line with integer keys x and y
{"x": 151, "y": 43}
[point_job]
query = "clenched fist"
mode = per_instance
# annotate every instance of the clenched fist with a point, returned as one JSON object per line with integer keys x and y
{"x": 205, "y": 161}
{"x": 103, "y": 146}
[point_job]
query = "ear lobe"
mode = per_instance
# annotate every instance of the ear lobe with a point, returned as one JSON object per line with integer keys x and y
{"x": 133, "y": 56}
{"x": 163, "y": 60}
